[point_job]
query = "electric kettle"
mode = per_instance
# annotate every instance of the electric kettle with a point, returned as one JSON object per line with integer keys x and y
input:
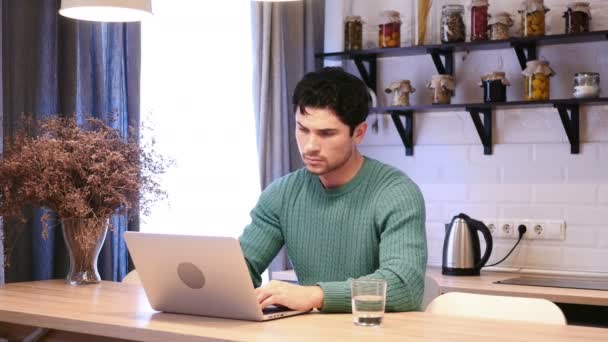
{"x": 461, "y": 249}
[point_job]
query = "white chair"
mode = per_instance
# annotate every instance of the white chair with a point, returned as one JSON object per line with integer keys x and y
{"x": 431, "y": 291}
{"x": 531, "y": 310}
{"x": 131, "y": 278}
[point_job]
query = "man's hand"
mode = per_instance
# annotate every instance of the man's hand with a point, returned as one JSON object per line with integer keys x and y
{"x": 295, "y": 297}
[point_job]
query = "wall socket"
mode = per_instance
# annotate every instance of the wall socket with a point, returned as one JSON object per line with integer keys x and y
{"x": 535, "y": 229}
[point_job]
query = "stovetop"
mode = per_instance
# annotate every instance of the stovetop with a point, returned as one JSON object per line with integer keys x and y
{"x": 587, "y": 284}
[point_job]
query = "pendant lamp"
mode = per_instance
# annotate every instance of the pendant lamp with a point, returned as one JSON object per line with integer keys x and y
{"x": 106, "y": 10}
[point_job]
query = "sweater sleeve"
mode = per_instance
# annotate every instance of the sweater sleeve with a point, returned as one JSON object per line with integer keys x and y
{"x": 262, "y": 238}
{"x": 400, "y": 216}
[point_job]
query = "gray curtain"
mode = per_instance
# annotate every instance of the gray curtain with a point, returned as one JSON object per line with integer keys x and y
{"x": 58, "y": 66}
{"x": 286, "y": 37}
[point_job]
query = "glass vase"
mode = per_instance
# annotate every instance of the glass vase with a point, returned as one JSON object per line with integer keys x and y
{"x": 84, "y": 239}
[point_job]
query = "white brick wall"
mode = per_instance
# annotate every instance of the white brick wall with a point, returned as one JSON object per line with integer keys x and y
{"x": 531, "y": 173}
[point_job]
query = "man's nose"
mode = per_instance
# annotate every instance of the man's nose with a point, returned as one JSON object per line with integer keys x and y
{"x": 312, "y": 144}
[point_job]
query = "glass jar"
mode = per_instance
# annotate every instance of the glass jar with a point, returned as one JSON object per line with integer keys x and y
{"x": 442, "y": 87}
{"x": 537, "y": 84}
{"x": 533, "y": 18}
{"x": 494, "y": 86}
{"x": 499, "y": 26}
{"x": 452, "y": 24}
{"x": 577, "y": 17}
{"x": 401, "y": 91}
{"x": 389, "y": 33}
{"x": 479, "y": 20}
{"x": 353, "y": 33}
{"x": 586, "y": 85}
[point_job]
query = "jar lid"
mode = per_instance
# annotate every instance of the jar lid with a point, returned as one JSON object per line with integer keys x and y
{"x": 533, "y": 6}
{"x": 393, "y": 16}
{"x": 355, "y": 18}
{"x": 479, "y": 3}
{"x": 453, "y": 7}
{"x": 580, "y": 7}
{"x": 444, "y": 81}
{"x": 401, "y": 85}
{"x": 501, "y": 18}
{"x": 586, "y": 74}
{"x": 538, "y": 67}
{"x": 494, "y": 76}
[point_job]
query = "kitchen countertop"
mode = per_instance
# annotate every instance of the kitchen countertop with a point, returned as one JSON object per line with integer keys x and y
{"x": 485, "y": 284}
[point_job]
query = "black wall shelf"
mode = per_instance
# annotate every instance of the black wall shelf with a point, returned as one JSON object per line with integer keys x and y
{"x": 556, "y": 39}
{"x": 481, "y": 113}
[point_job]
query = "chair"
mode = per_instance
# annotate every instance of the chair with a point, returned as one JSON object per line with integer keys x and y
{"x": 531, "y": 310}
{"x": 431, "y": 291}
{"x": 132, "y": 278}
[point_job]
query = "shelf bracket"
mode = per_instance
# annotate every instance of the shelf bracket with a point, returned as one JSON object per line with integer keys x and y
{"x": 444, "y": 68}
{"x": 525, "y": 52}
{"x": 484, "y": 128}
{"x": 367, "y": 74}
{"x": 405, "y": 132}
{"x": 569, "y": 113}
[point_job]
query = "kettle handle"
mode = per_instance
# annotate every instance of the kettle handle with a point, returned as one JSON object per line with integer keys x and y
{"x": 487, "y": 235}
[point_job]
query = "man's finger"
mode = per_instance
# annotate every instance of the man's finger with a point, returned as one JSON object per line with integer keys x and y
{"x": 269, "y": 301}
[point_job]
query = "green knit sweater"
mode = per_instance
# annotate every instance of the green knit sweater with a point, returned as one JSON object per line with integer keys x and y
{"x": 372, "y": 227}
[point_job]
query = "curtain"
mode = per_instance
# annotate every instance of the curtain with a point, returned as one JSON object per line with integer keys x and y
{"x": 286, "y": 37}
{"x": 54, "y": 65}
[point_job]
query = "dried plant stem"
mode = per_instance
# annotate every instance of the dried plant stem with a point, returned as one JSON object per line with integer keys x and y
{"x": 84, "y": 239}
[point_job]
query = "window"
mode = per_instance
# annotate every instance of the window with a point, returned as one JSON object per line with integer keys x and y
{"x": 197, "y": 97}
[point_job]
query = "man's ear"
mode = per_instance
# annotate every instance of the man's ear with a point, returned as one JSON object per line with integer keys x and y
{"x": 359, "y": 132}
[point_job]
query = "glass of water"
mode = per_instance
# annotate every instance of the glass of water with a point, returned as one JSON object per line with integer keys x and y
{"x": 368, "y": 301}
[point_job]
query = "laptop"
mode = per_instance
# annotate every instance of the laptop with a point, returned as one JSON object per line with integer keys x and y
{"x": 197, "y": 275}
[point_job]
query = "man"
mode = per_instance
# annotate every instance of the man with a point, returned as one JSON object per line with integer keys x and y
{"x": 341, "y": 217}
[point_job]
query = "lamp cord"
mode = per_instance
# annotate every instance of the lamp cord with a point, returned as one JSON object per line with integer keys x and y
{"x": 521, "y": 230}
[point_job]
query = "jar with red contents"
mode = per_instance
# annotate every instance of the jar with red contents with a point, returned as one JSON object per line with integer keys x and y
{"x": 389, "y": 33}
{"x": 479, "y": 20}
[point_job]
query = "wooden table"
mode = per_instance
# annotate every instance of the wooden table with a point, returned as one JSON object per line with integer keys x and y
{"x": 121, "y": 311}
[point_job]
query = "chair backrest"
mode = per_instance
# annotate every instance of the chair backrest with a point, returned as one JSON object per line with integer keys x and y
{"x": 431, "y": 291}
{"x": 532, "y": 310}
{"x": 132, "y": 278}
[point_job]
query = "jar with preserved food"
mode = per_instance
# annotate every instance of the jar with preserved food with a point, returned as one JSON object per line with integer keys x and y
{"x": 353, "y": 33}
{"x": 586, "y": 85}
{"x": 452, "y": 24}
{"x": 577, "y": 17}
{"x": 494, "y": 86}
{"x": 533, "y": 18}
{"x": 442, "y": 87}
{"x": 499, "y": 26}
{"x": 401, "y": 91}
{"x": 537, "y": 84}
{"x": 389, "y": 33}
{"x": 479, "y": 20}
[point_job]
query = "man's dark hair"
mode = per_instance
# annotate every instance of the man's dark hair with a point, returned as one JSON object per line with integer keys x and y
{"x": 335, "y": 89}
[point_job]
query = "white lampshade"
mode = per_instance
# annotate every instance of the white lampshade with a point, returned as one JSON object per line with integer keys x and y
{"x": 106, "y": 10}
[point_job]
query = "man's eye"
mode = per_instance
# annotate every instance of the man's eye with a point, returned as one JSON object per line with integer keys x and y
{"x": 327, "y": 134}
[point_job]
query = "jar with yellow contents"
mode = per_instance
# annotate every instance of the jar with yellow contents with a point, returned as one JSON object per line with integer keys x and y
{"x": 537, "y": 85}
{"x": 389, "y": 33}
{"x": 533, "y": 18}
{"x": 442, "y": 88}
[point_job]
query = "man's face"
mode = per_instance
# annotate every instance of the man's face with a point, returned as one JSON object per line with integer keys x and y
{"x": 325, "y": 143}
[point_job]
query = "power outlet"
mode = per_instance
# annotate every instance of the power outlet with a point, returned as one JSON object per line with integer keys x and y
{"x": 535, "y": 229}
{"x": 500, "y": 229}
{"x": 545, "y": 229}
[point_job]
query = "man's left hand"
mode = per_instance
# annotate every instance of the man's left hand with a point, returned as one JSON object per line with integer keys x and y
{"x": 295, "y": 297}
